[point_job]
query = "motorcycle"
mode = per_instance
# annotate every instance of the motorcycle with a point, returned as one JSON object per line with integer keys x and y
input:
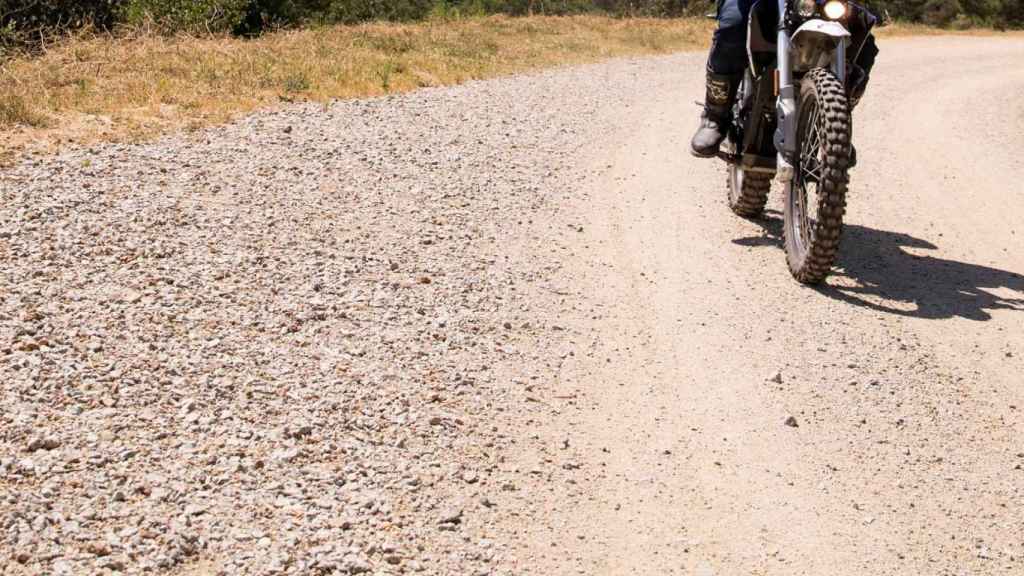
{"x": 791, "y": 121}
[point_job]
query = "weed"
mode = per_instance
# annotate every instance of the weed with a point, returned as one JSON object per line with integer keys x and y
{"x": 296, "y": 81}
{"x": 15, "y": 111}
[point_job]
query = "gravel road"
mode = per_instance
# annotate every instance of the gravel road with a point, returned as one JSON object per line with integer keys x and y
{"x": 510, "y": 327}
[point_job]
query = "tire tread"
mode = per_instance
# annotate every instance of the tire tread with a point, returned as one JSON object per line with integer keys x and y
{"x": 814, "y": 265}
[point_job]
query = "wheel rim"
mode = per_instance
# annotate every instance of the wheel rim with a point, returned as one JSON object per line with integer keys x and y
{"x": 735, "y": 173}
{"x": 804, "y": 199}
{"x": 732, "y": 143}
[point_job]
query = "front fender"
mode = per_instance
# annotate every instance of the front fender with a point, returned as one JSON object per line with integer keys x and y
{"x": 815, "y": 42}
{"x": 819, "y": 27}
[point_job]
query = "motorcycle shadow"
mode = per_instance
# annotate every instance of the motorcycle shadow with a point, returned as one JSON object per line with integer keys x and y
{"x": 875, "y": 271}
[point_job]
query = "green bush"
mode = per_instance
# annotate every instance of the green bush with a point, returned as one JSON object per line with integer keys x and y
{"x": 908, "y": 10}
{"x": 194, "y": 16}
{"x": 351, "y": 11}
{"x": 29, "y": 22}
{"x": 1010, "y": 14}
{"x": 940, "y": 12}
{"x": 560, "y": 7}
{"x": 980, "y": 11}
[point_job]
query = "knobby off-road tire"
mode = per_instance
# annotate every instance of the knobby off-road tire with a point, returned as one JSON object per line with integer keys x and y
{"x": 823, "y": 139}
{"x": 748, "y": 191}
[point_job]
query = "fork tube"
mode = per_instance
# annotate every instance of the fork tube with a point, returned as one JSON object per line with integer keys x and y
{"x": 785, "y": 135}
{"x": 785, "y": 68}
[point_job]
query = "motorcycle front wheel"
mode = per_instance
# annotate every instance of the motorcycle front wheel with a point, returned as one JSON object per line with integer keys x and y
{"x": 815, "y": 198}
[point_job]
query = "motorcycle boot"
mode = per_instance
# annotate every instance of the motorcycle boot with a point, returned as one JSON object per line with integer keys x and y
{"x": 714, "y": 121}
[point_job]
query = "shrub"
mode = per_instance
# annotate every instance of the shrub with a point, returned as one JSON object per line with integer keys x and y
{"x": 1011, "y": 14}
{"x": 14, "y": 110}
{"x": 193, "y": 16}
{"x": 350, "y": 11}
{"x": 940, "y": 12}
{"x": 29, "y": 22}
{"x": 980, "y": 11}
{"x": 908, "y": 10}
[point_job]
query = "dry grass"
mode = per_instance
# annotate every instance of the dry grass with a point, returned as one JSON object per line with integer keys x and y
{"x": 899, "y": 29}
{"x": 102, "y": 88}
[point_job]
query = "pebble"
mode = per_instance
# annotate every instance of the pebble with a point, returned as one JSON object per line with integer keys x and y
{"x": 43, "y": 443}
{"x": 451, "y": 516}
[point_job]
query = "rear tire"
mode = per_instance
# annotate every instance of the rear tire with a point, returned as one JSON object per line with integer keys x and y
{"x": 748, "y": 191}
{"x": 823, "y": 141}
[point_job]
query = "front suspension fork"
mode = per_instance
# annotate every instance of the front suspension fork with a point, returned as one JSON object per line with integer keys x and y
{"x": 785, "y": 107}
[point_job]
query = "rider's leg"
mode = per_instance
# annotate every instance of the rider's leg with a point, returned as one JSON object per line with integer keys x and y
{"x": 861, "y": 71}
{"x": 726, "y": 64}
{"x": 857, "y": 82}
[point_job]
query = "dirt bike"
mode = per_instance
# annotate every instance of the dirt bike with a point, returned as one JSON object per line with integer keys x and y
{"x": 791, "y": 120}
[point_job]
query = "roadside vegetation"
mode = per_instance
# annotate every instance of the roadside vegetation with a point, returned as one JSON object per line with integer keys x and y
{"x": 30, "y": 23}
{"x": 101, "y": 87}
{"x": 89, "y": 70}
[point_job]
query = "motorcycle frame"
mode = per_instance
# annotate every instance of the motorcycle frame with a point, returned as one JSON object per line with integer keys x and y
{"x": 754, "y": 133}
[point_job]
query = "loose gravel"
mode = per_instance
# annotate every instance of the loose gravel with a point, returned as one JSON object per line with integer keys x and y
{"x": 283, "y": 346}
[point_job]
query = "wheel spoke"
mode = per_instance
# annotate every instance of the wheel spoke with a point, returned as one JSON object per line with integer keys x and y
{"x": 807, "y": 230}
{"x": 810, "y": 173}
{"x": 814, "y": 173}
{"x": 815, "y": 126}
{"x": 811, "y": 149}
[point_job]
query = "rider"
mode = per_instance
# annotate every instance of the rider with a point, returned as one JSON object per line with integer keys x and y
{"x": 728, "y": 62}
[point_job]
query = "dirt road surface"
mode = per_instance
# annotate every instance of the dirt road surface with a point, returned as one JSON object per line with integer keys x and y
{"x": 904, "y": 373}
{"x": 512, "y": 328}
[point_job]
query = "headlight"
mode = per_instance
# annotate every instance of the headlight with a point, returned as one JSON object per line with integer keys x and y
{"x": 834, "y": 9}
{"x": 806, "y": 8}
